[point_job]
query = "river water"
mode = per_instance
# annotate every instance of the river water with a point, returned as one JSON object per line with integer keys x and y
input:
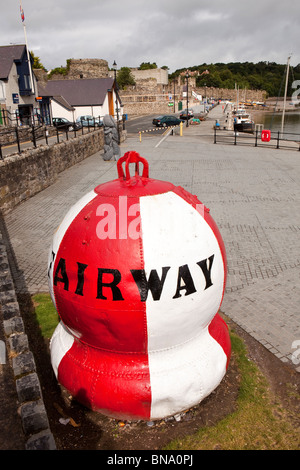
{"x": 272, "y": 121}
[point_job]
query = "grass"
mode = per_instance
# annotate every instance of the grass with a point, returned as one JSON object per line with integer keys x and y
{"x": 258, "y": 423}
{"x": 46, "y": 314}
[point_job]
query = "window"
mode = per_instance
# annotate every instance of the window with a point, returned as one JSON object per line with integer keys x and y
{"x": 27, "y": 82}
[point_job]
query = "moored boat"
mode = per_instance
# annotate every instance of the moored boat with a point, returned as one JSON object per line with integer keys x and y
{"x": 242, "y": 121}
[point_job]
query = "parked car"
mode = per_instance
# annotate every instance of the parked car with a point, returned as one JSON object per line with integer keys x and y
{"x": 166, "y": 121}
{"x": 156, "y": 120}
{"x": 89, "y": 121}
{"x": 64, "y": 124}
{"x": 183, "y": 114}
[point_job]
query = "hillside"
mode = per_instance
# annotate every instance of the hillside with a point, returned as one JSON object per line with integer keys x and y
{"x": 267, "y": 76}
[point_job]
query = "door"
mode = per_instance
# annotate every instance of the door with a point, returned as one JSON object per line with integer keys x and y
{"x": 25, "y": 113}
{"x": 111, "y": 103}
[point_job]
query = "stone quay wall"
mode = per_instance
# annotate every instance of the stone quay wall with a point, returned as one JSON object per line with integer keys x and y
{"x": 31, "y": 407}
{"x": 24, "y": 175}
{"x": 230, "y": 94}
{"x": 138, "y": 101}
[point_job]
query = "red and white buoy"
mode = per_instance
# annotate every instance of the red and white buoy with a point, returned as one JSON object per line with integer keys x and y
{"x": 137, "y": 272}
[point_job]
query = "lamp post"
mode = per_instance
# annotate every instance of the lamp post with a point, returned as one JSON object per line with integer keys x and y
{"x": 187, "y": 98}
{"x": 117, "y": 107}
{"x": 174, "y": 96}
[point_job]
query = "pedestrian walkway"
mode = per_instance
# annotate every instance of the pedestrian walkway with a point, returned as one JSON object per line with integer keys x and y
{"x": 253, "y": 195}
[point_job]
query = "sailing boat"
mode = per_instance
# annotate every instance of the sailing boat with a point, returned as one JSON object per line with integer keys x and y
{"x": 285, "y": 93}
{"x": 242, "y": 119}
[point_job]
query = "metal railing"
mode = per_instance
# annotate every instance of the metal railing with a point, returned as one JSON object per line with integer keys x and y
{"x": 15, "y": 139}
{"x": 13, "y": 119}
{"x": 18, "y": 138}
{"x": 278, "y": 140}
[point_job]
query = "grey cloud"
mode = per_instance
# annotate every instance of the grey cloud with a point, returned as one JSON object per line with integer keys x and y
{"x": 168, "y": 32}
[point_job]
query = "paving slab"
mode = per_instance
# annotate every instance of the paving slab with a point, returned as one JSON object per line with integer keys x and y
{"x": 253, "y": 195}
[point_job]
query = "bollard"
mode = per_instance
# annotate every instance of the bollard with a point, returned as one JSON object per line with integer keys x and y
{"x": 181, "y": 127}
{"x": 18, "y": 140}
{"x": 33, "y": 136}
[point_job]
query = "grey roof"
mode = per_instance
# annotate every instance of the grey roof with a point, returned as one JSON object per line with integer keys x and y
{"x": 81, "y": 92}
{"x": 63, "y": 102}
{"x": 8, "y": 54}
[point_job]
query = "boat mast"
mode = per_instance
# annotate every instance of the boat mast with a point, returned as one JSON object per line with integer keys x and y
{"x": 237, "y": 97}
{"x": 285, "y": 92}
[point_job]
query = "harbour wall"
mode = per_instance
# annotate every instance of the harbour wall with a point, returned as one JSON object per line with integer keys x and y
{"x": 155, "y": 100}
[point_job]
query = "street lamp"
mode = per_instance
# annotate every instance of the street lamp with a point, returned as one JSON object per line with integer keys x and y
{"x": 117, "y": 107}
{"x": 187, "y": 98}
{"x": 174, "y": 95}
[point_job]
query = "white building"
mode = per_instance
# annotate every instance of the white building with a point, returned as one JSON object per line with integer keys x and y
{"x": 18, "y": 86}
{"x": 70, "y": 99}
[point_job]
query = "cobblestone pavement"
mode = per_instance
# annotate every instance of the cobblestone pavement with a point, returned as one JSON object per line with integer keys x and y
{"x": 254, "y": 197}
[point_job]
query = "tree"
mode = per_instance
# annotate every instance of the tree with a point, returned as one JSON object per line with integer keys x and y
{"x": 125, "y": 77}
{"x": 147, "y": 66}
{"x": 211, "y": 80}
{"x": 61, "y": 70}
{"x": 36, "y": 62}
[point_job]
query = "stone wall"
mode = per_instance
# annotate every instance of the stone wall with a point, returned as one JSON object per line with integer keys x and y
{"x": 229, "y": 94}
{"x": 84, "y": 68}
{"x": 140, "y": 102}
{"x": 139, "y": 108}
{"x": 160, "y": 75}
{"x": 8, "y": 135}
{"x": 31, "y": 407}
{"x": 144, "y": 99}
{"x": 23, "y": 175}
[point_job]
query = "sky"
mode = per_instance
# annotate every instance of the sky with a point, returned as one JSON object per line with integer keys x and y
{"x": 178, "y": 34}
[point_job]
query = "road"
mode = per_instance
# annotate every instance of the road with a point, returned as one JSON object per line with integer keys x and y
{"x": 144, "y": 124}
{"x": 133, "y": 126}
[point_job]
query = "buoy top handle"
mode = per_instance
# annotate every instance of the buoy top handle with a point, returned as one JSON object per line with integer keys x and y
{"x": 132, "y": 157}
